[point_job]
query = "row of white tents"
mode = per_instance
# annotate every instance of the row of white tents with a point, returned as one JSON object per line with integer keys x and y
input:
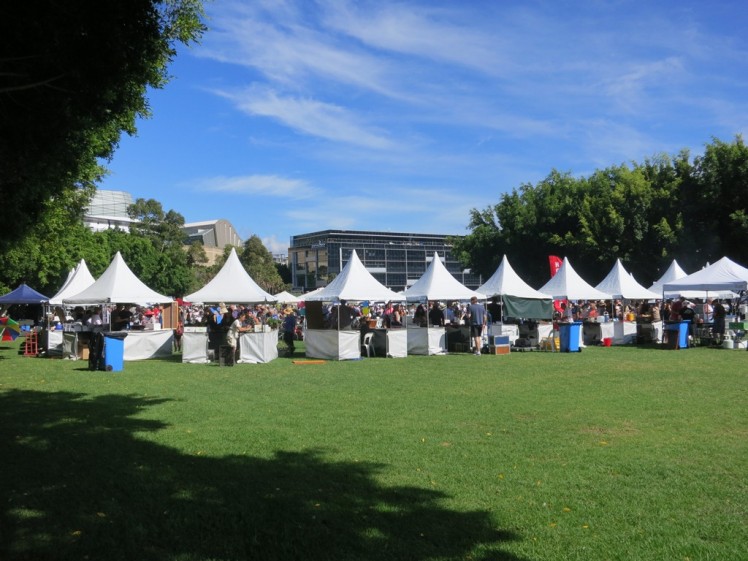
{"x": 118, "y": 284}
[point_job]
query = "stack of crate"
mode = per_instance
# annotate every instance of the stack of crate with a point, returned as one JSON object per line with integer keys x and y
{"x": 498, "y": 345}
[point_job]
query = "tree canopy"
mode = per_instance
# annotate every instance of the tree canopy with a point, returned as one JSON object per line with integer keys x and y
{"x": 73, "y": 77}
{"x": 646, "y": 214}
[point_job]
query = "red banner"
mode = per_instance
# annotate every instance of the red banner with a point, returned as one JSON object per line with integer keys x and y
{"x": 556, "y": 263}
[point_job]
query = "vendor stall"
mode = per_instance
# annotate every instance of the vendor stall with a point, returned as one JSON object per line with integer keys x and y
{"x": 436, "y": 284}
{"x": 330, "y": 332}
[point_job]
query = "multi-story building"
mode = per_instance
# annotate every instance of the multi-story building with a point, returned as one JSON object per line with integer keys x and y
{"x": 397, "y": 260}
{"x": 214, "y": 235}
{"x": 108, "y": 209}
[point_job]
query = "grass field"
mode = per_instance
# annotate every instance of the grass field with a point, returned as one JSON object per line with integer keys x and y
{"x": 619, "y": 453}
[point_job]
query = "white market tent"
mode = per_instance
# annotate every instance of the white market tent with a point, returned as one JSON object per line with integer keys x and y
{"x": 231, "y": 284}
{"x": 117, "y": 285}
{"x": 505, "y": 281}
{"x": 437, "y": 283}
{"x": 79, "y": 279}
{"x": 286, "y": 297}
{"x": 354, "y": 283}
{"x": 567, "y": 284}
{"x": 722, "y": 276}
{"x": 518, "y": 297}
{"x": 303, "y": 297}
{"x": 621, "y": 284}
{"x": 674, "y": 272}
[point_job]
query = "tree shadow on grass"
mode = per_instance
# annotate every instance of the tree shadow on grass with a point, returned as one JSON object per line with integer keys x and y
{"x": 80, "y": 480}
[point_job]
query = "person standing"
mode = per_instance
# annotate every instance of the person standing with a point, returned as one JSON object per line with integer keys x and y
{"x": 477, "y": 315}
{"x": 719, "y": 313}
{"x": 289, "y": 331}
{"x": 237, "y": 327}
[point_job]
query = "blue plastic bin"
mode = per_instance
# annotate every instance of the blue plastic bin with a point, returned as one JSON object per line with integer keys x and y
{"x": 569, "y": 336}
{"x": 114, "y": 351}
{"x": 679, "y": 330}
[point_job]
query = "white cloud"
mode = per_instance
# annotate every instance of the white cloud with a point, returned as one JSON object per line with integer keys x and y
{"x": 311, "y": 117}
{"x": 260, "y": 185}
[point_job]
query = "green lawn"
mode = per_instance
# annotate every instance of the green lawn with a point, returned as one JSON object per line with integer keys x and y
{"x": 613, "y": 453}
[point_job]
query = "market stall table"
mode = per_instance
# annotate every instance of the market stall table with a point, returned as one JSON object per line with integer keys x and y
{"x": 331, "y": 344}
{"x": 258, "y": 347}
{"x": 427, "y": 340}
{"x": 390, "y": 343}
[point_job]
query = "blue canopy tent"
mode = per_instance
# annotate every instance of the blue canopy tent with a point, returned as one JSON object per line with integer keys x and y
{"x": 24, "y": 294}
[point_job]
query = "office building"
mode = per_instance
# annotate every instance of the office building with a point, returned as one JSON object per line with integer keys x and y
{"x": 397, "y": 260}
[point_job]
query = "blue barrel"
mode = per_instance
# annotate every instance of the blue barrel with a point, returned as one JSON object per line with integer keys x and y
{"x": 114, "y": 351}
{"x": 569, "y": 336}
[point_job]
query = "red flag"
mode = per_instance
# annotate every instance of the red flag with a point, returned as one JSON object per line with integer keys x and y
{"x": 556, "y": 263}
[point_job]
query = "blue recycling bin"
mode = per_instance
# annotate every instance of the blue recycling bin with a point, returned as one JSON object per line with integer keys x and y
{"x": 569, "y": 336}
{"x": 114, "y": 351}
{"x": 677, "y": 334}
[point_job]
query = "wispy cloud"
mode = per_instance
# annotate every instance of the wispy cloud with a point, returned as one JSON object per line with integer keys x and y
{"x": 259, "y": 185}
{"x": 309, "y": 116}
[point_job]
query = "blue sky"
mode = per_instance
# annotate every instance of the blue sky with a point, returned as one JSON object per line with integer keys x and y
{"x": 293, "y": 116}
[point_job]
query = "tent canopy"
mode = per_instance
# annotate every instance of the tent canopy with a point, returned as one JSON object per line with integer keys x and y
{"x": 720, "y": 276}
{"x": 287, "y": 298}
{"x": 353, "y": 283}
{"x": 506, "y": 282}
{"x": 567, "y": 284}
{"x": 78, "y": 281}
{"x": 117, "y": 285}
{"x": 519, "y": 298}
{"x": 24, "y": 294}
{"x": 673, "y": 272}
{"x": 231, "y": 284}
{"x": 621, "y": 284}
{"x": 437, "y": 283}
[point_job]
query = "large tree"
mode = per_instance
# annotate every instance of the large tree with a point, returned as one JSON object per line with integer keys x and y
{"x": 259, "y": 263}
{"x": 73, "y": 77}
{"x": 645, "y": 214}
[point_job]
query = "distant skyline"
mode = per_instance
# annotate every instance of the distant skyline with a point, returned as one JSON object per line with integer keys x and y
{"x": 294, "y": 116}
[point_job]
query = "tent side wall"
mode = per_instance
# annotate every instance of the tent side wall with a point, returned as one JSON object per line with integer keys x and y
{"x": 529, "y": 308}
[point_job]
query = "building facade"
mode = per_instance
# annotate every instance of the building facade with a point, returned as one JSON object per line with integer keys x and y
{"x": 397, "y": 260}
{"x": 108, "y": 209}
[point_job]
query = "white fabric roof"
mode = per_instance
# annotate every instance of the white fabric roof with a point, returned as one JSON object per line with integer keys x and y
{"x": 720, "y": 276}
{"x": 567, "y": 284}
{"x": 353, "y": 283}
{"x": 286, "y": 297}
{"x": 232, "y": 284}
{"x": 117, "y": 285}
{"x": 79, "y": 279}
{"x": 621, "y": 284}
{"x": 437, "y": 283}
{"x": 673, "y": 272}
{"x": 506, "y": 282}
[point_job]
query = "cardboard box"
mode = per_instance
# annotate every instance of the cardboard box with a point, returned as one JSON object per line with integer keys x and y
{"x": 498, "y": 349}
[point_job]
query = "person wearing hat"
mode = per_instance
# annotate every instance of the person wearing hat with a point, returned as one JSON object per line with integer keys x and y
{"x": 289, "y": 330}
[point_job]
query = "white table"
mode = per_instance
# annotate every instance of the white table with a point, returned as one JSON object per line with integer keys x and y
{"x": 392, "y": 343}
{"x": 427, "y": 340}
{"x": 145, "y": 344}
{"x": 258, "y": 347}
{"x": 330, "y": 344}
{"x": 195, "y": 347}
